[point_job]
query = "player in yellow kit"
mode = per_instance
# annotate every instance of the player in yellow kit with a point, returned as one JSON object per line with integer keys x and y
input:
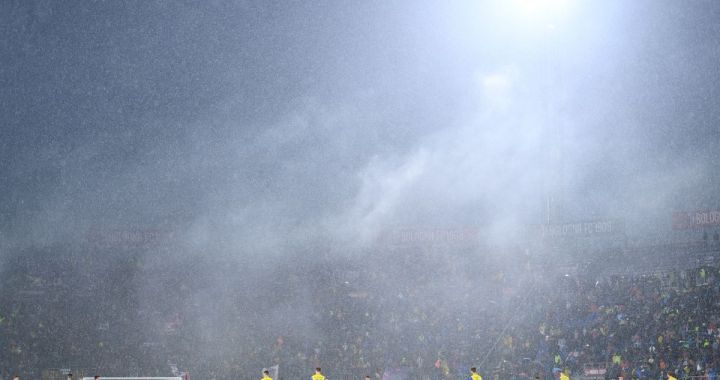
{"x": 266, "y": 375}
{"x": 318, "y": 374}
{"x": 474, "y": 375}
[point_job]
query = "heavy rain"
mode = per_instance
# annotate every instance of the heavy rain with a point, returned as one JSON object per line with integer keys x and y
{"x": 347, "y": 190}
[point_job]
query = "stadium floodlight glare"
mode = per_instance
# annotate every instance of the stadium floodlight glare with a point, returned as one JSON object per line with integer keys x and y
{"x": 541, "y": 7}
{"x": 534, "y": 13}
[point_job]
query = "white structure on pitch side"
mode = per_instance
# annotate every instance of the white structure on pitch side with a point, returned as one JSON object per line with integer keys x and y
{"x": 134, "y": 378}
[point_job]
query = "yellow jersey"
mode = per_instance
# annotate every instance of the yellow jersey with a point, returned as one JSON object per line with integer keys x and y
{"x": 318, "y": 376}
{"x": 475, "y": 376}
{"x": 266, "y": 377}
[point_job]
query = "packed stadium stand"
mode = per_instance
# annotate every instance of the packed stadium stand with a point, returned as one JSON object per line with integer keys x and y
{"x": 398, "y": 314}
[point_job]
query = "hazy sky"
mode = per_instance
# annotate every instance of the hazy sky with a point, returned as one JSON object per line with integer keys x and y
{"x": 275, "y": 124}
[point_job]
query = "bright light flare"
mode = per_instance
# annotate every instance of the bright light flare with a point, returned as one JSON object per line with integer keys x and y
{"x": 548, "y": 12}
{"x": 535, "y": 13}
{"x": 541, "y": 6}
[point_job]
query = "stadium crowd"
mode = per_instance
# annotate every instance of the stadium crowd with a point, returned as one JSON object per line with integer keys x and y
{"x": 410, "y": 315}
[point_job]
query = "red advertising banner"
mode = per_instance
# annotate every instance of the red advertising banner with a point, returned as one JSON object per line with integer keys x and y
{"x": 684, "y": 220}
{"x": 582, "y": 229}
{"x": 413, "y": 236}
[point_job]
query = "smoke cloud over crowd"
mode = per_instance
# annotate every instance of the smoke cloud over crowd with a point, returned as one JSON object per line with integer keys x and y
{"x": 366, "y": 186}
